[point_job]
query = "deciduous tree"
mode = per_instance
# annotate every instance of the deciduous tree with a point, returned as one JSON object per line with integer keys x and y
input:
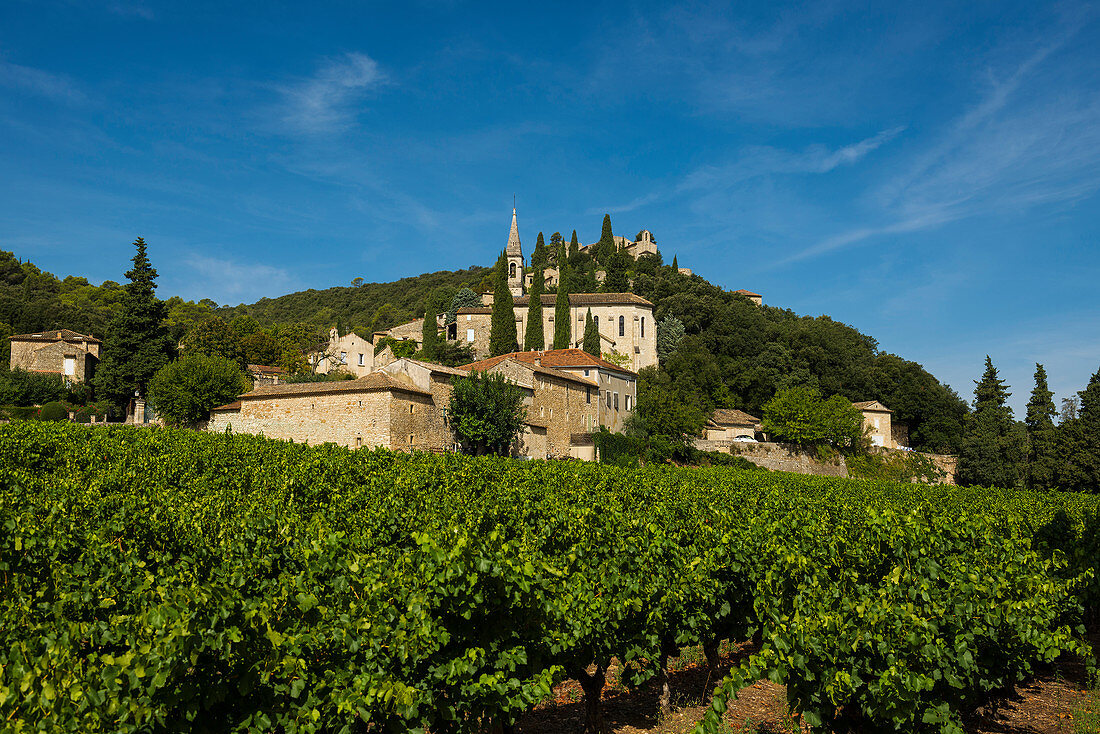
{"x": 183, "y": 392}
{"x": 486, "y": 413}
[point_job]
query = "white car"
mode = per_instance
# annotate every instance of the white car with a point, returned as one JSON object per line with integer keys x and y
{"x": 744, "y": 439}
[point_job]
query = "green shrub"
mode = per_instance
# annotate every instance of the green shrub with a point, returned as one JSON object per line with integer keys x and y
{"x": 54, "y": 411}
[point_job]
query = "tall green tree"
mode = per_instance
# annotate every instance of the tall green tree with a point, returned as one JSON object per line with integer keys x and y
{"x": 1042, "y": 449}
{"x": 574, "y": 244}
{"x": 534, "y": 338}
{"x": 994, "y": 447}
{"x": 591, "y": 343}
{"x": 136, "y": 344}
{"x": 555, "y": 248}
{"x": 605, "y": 248}
{"x": 486, "y": 413}
{"x": 429, "y": 333}
{"x": 540, "y": 257}
{"x": 502, "y": 327}
{"x": 670, "y": 332}
{"x": 1079, "y": 443}
{"x": 465, "y": 298}
{"x": 562, "y": 323}
{"x": 617, "y": 280}
{"x": 675, "y": 265}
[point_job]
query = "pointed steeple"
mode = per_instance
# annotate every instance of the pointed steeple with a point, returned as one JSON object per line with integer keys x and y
{"x": 514, "y": 249}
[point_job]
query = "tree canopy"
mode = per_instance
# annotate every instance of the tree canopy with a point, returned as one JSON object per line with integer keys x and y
{"x": 486, "y": 413}
{"x": 183, "y": 392}
{"x": 798, "y": 414}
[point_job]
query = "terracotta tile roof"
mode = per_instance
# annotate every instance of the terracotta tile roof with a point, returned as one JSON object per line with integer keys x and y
{"x": 559, "y": 358}
{"x": 481, "y": 309}
{"x": 868, "y": 405}
{"x": 731, "y": 417}
{"x": 265, "y": 369}
{"x": 491, "y": 362}
{"x": 56, "y": 335}
{"x": 743, "y": 292}
{"x": 235, "y": 405}
{"x": 373, "y": 382}
{"x": 589, "y": 299}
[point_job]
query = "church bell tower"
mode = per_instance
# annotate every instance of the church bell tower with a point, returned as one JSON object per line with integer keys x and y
{"x": 514, "y": 253}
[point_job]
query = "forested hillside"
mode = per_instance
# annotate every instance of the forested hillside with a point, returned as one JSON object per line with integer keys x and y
{"x": 363, "y": 308}
{"x": 734, "y": 353}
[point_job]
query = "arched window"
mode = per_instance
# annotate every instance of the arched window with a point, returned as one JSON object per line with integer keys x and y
{"x": 512, "y": 270}
{"x": 643, "y": 327}
{"x": 622, "y": 326}
{"x": 596, "y": 319}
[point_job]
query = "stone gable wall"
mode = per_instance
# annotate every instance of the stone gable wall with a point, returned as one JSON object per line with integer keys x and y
{"x": 36, "y": 356}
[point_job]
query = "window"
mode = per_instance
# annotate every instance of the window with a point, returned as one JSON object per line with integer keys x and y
{"x": 360, "y": 360}
{"x": 470, "y": 336}
{"x": 627, "y": 401}
{"x": 343, "y": 357}
{"x": 586, "y": 373}
{"x": 616, "y": 401}
{"x": 551, "y": 414}
{"x": 412, "y": 407}
{"x": 643, "y": 327}
{"x": 358, "y": 442}
{"x": 608, "y": 394}
{"x": 70, "y": 366}
{"x": 511, "y": 270}
{"x": 596, "y": 319}
{"x": 412, "y": 439}
{"x": 588, "y": 394}
{"x": 622, "y": 326}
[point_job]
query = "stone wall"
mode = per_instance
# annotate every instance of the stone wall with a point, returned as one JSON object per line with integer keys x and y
{"x": 778, "y": 457}
{"x": 50, "y": 357}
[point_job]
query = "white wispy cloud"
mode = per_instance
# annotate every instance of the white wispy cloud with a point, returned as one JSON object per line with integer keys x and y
{"x": 327, "y": 101}
{"x": 1020, "y": 145}
{"x": 58, "y": 87}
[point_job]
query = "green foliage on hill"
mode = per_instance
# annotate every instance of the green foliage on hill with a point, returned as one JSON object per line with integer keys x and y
{"x": 738, "y": 355}
{"x": 364, "y": 309}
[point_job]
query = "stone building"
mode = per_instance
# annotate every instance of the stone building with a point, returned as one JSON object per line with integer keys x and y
{"x": 262, "y": 374}
{"x": 876, "y": 422}
{"x": 61, "y": 352}
{"x": 624, "y": 321}
{"x": 617, "y": 387}
{"x": 514, "y": 253}
{"x": 376, "y": 410}
{"x": 754, "y": 297}
{"x": 567, "y": 403}
{"x": 727, "y": 425}
{"x": 349, "y": 353}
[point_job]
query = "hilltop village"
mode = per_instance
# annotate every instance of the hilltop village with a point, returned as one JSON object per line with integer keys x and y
{"x": 392, "y": 400}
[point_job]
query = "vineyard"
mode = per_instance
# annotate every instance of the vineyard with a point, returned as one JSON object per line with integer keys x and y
{"x": 158, "y": 580}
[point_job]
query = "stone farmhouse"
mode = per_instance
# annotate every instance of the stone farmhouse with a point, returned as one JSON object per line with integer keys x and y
{"x": 59, "y": 352}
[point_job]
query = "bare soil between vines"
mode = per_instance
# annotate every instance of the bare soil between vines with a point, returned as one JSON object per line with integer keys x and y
{"x": 1044, "y": 705}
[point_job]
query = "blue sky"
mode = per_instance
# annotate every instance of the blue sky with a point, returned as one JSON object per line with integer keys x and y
{"x": 927, "y": 172}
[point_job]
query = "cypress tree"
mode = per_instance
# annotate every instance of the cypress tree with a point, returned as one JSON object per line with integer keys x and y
{"x": 430, "y": 332}
{"x": 535, "y": 339}
{"x": 1042, "y": 456}
{"x": 591, "y": 342}
{"x": 1079, "y": 443}
{"x": 574, "y": 245}
{"x": 605, "y": 248}
{"x": 136, "y": 343}
{"x": 617, "y": 280}
{"x": 562, "y": 325}
{"x": 502, "y": 329}
{"x": 674, "y": 265}
{"x": 994, "y": 447}
{"x": 539, "y": 257}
